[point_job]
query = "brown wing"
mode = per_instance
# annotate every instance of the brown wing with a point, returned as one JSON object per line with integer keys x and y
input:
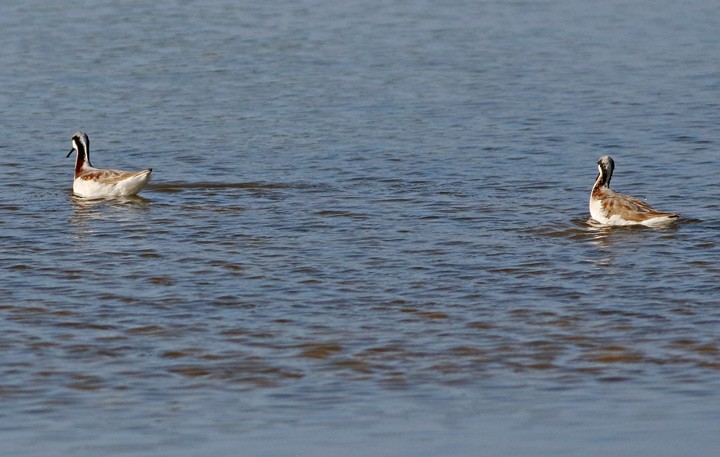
{"x": 110, "y": 176}
{"x": 631, "y": 208}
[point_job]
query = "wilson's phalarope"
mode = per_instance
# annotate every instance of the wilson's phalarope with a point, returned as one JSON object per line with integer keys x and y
{"x": 611, "y": 208}
{"x": 93, "y": 182}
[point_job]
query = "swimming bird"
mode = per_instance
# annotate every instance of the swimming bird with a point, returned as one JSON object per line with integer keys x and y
{"x": 611, "y": 208}
{"x": 91, "y": 182}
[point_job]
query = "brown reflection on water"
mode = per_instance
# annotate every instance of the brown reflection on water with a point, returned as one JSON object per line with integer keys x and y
{"x": 422, "y": 344}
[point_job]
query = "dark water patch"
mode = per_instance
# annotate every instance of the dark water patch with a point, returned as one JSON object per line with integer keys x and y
{"x": 319, "y": 350}
{"x": 251, "y": 185}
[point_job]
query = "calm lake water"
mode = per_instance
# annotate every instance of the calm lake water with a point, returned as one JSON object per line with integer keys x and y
{"x": 366, "y": 233}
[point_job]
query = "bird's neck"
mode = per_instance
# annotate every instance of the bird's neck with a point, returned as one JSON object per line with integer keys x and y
{"x": 82, "y": 161}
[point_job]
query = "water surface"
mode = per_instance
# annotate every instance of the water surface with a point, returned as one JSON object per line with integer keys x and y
{"x": 366, "y": 232}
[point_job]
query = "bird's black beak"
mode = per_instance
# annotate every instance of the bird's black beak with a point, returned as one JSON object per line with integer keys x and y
{"x": 71, "y": 151}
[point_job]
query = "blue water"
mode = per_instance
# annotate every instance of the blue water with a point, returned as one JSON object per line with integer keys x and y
{"x": 366, "y": 232}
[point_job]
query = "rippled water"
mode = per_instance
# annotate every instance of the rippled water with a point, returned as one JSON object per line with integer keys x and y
{"x": 367, "y": 230}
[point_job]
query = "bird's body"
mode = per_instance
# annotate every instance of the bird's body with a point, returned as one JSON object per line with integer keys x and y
{"x": 611, "y": 208}
{"x": 91, "y": 182}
